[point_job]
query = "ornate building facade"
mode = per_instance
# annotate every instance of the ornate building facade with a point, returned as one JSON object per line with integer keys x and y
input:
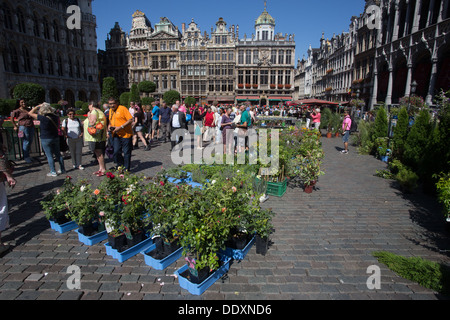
{"x": 265, "y": 64}
{"x": 413, "y": 45}
{"x": 215, "y": 67}
{"x": 36, "y": 46}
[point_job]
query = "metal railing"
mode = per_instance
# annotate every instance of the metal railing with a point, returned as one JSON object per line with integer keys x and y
{"x": 13, "y": 144}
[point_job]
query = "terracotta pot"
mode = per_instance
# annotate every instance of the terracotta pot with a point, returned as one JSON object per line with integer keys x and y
{"x": 308, "y": 189}
{"x": 329, "y": 135}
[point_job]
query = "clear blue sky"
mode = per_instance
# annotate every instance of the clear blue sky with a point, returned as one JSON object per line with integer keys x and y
{"x": 307, "y": 19}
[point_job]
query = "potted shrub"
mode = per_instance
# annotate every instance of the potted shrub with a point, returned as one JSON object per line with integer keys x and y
{"x": 443, "y": 189}
{"x": 263, "y": 228}
{"x": 309, "y": 168}
{"x": 83, "y": 210}
{"x": 55, "y": 206}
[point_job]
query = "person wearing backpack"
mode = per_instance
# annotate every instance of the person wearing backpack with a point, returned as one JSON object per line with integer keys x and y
{"x": 73, "y": 132}
{"x": 346, "y": 127}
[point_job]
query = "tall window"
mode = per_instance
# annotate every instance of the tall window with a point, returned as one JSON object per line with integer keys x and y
{"x": 173, "y": 62}
{"x": 173, "y": 81}
{"x": 288, "y": 77}
{"x": 255, "y": 56}
{"x": 280, "y": 76}
{"x": 7, "y": 16}
{"x": 165, "y": 81}
{"x": 281, "y": 57}
{"x": 21, "y": 21}
{"x": 264, "y": 76}
{"x": 60, "y": 66}
{"x": 155, "y": 64}
{"x": 46, "y": 29}
{"x": 40, "y": 63}
{"x": 163, "y": 62}
{"x": 247, "y": 76}
{"x": 156, "y": 81}
{"x": 26, "y": 60}
{"x": 255, "y": 77}
{"x": 273, "y": 77}
{"x": 240, "y": 77}
{"x": 288, "y": 56}
{"x": 55, "y": 31}
{"x": 273, "y": 57}
{"x": 36, "y": 26}
{"x": 241, "y": 57}
{"x": 248, "y": 56}
{"x": 50, "y": 69}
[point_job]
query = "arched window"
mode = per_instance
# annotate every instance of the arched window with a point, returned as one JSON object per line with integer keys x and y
{"x": 40, "y": 62}
{"x": 21, "y": 21}
{"x": 26, "y": 59}
{"x": 46, "y": 29}
{"x": 55, "y": 31}
{"x": 36, "y": 26}
{"x": 7, "y": 15}
{"x": 60, "y": 65}
{"x": 50, "y": 68}
{"x": 14, "y": 58}
{"x": 70, "y": 67}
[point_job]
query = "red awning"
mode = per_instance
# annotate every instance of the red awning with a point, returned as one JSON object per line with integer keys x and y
{"x": 316, "y": 102}
{"x": 247, "y": 98}
{"x": 281, "y": 98}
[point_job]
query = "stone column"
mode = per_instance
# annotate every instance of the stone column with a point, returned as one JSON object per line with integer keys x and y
{"x": 430, "y": 12}
{"x": 408, "y": 80}
{"x": 429, "y": 98}
{"x": 416, "y": 22}
{"x": 442, "y": 10}
{"x": 390, "y": 85}
{"x": 396, "y": 21}
{"x": 408, "y": 19}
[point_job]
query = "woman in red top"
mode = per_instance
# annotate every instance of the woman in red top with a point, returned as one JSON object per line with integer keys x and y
{"x": 209, "y": 123}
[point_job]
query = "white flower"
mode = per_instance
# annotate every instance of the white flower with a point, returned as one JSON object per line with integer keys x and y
{"x": 214, "y": 181}
{"x": 82, "y": 188}
{"x": 130, "y": 188}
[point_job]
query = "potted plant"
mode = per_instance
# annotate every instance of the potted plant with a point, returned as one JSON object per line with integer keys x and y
{"x": 240, "y": 85}
{"x": 263, "y": 228}
{"x": 336, "y": 123}
{"x": 83, "y": 210}
{"x": 273, "y": 86}
{"x": 248, "y": 85}
{"x": 309, "y": 168}
{"x": 443, "y": 189}
{"x": 280, "y": 86}
{"x": 255, "y": 86}
{"x": 55, "y": 206}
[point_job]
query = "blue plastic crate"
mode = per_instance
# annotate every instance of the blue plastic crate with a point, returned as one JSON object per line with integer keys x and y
{"x": 198, "y": 289}
{"x": 63, "y": 228}
{"x": 96, "y": 238}
{"x": 164, "y": 263}
{"x": 176, "y": 181}
{"x": 127, "y": 254}
{"x": 237, "y": 254}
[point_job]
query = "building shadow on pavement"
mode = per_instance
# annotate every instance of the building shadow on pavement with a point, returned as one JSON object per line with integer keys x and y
{"x": 426, "y": 212}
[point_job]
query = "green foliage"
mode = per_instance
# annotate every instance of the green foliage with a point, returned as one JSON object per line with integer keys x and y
{"x": 58, "y": 201}
{"x": 400, "y": 133}
{"x": 82, "y": 206}
{"x": 125, "y": 99}
{"x": 380, "y": 129}
{"x": 363, "y": 138}
{"x": 190, "y": 101}
{"x": 407, "y": 179}
{"x": 443, "y": 188}
{"x": 326, "y": 119}
{"x": 32, "y": 93}
{"x": 7, "y": 106}
{"x": 426, "y": 273}
{"x": 78, "y": 104}
{"x": 134, "y": 94}
{"x": 171, "y": 97}
{"x": 147, "y": 87}
{"x": 417, "y": 140}
{"x": 381, "y": 146}
{"x": 415, "y": 104}
{"x": 147, "y": 101}
{"x": 109, "y": 89}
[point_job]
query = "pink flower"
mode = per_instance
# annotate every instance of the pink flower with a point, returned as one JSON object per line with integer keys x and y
{"x": 161, "y": 183}
{"x": 234, "y": 189}
{"x": 101, "y": 213}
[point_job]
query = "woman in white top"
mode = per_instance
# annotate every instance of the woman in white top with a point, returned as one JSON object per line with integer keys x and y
{"x": 73, "y": 131}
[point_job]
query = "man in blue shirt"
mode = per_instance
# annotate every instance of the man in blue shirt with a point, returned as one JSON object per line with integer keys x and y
{"x": 155, "y": 120}
{"x": 164, "y": 121}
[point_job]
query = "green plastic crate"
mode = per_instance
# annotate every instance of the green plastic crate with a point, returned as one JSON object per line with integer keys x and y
{"x": 277, "y": 189}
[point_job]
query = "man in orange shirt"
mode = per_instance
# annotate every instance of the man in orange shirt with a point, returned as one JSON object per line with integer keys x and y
{"x": 120, "y": 128}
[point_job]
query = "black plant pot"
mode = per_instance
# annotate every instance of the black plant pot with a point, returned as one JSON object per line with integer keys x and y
{"x": 87, "y": 229}
{"x": 238, "y": 241}
{"x": 136, "y": 238}
{"x": 118, "y": 242}
{"x": 262, "y": 245}
{"x": 60, "y": 217}
{"x": 200, "y": 277}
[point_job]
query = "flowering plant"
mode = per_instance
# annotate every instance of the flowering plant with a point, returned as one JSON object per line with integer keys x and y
{"x": 82, "y": 207}
{"x": 57, "y": 202}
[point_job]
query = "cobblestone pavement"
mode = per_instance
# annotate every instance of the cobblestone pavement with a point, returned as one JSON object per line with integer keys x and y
{"x": 321, "y": 247}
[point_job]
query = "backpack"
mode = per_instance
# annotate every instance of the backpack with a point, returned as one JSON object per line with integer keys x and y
{"x": 354, "y": 126}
